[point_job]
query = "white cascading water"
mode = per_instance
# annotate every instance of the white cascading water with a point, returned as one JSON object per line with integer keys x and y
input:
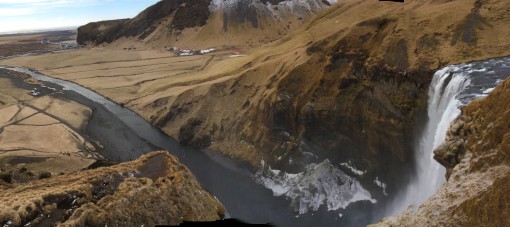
{"x": 451, "y": 88}
{"x": 443, "y": 108}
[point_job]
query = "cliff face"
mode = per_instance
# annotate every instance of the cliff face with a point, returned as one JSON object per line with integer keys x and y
{"x": 477, "y": 156}
{"x": 97, "y": 32}
{"x": 204, "y": 23}
{"x": 155, "y": 189}
{"x": 348, "y": 90}
{"x": 146, "y": 22}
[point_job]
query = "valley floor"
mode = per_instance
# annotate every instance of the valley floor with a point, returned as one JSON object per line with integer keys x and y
{"x": 125, "y": 76}
{"x": 41, "y": 134}
{"x": 145, "y": 81}
{"x": 130, "y": 77}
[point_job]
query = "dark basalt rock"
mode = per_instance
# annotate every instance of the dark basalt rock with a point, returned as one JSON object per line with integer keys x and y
{"x": 189, "y": 134}
{"x": 193, "y": 13}
{"x": 98, "y": 32}
{"x": 44, "y": 175}
{"x": 177, "y": 15}
{"x": 188, "y": 13}
{"x": 6, "y": 177}
{"x": 273, "y": 2}
{"x": 241, "y": 13}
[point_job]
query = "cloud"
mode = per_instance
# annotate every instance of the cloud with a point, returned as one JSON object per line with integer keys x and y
{"x": 42, "y": 2}
{"x": 18, "y": 15}
{"x": 22, "y": 1}
{"x": 27, "y": 7}
{"x": 8, "y": 12}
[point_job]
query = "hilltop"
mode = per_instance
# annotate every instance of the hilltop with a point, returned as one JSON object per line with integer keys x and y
{"x": 204, "y": 23}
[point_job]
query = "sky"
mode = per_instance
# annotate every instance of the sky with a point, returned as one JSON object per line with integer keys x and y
{"x": 20, "y": 15}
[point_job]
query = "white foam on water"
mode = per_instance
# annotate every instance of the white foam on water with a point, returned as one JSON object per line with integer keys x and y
{"x": 353, "y": 169}
{"x": 488, "y": 90}
{"x": 319, "y": 185}
{"x": 381, "y": 185}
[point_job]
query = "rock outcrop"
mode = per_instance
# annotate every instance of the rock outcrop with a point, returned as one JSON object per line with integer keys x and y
{"x": 477, "y": 157}
{"x": 155, "y": 189}
{"x": 204, "y": 23}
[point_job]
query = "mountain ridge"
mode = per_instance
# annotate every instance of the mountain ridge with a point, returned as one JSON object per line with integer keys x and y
{"x": 163, "y": 23}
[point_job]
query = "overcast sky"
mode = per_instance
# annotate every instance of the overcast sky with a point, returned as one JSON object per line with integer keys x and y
{"x": 18, "y": 15}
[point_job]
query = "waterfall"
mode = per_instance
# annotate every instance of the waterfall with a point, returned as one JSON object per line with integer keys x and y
{"x": 443, "y": 108}
{"x": 450, "y": 89}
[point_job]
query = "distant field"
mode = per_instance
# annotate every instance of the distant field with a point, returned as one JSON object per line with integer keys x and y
{"x": 16, "y": 44}
{"x": 41, "y": 133}
{"x": 125, "y": 75}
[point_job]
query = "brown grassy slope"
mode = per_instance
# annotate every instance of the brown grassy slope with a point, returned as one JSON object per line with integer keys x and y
{"x": 355, "y": 75}
{"x": 476, "y": 193}
{"x": 155, "y": 189}
{"x": 345, "y": 88}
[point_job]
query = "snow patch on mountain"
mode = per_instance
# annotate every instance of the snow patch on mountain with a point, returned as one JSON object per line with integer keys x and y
{"x": 291, "y": 5}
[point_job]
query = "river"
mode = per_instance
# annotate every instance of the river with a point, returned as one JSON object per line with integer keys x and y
{"x": 126, "y": 136}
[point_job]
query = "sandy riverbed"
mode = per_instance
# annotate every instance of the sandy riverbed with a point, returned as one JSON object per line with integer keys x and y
{"x": 42, "y": 134}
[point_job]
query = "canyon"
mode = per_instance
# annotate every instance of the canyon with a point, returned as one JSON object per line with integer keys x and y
{"x": 335, "y": 100}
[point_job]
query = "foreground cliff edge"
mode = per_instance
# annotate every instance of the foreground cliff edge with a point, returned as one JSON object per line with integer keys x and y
{"x": 476, "y": 154}
{"x": 155, "y": 189}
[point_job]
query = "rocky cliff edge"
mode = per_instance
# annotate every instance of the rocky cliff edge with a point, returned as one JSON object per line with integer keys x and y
{"x": 155, "y": 189}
